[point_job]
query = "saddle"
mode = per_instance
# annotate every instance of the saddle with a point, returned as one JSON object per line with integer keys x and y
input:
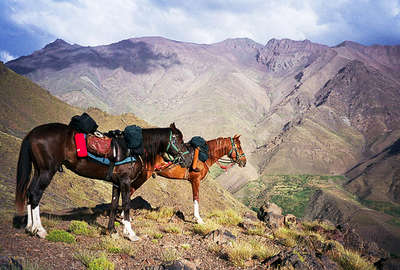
{"x": 99, "y": 145}
{"x": 111, "y": 145}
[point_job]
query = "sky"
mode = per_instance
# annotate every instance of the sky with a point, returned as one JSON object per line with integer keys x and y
{"x": 27, "y": 26}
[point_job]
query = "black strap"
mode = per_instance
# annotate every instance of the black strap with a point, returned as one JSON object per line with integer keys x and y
{"x": 110, "y": 171}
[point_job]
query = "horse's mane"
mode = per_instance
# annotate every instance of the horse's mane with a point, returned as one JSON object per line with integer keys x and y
{"x": 154, "y": 139}
{"x": 215, "y": 146}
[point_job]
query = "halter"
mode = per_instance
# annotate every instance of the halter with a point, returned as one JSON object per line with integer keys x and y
{"x": 238, "y": 156}
{"x": 231, "y": 161}
{"x": 172, "y": 144}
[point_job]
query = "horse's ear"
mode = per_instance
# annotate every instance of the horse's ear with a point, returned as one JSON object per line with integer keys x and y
{"x": 172, "y": 125}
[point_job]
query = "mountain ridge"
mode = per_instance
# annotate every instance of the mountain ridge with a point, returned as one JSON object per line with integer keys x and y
{"x": 268, "y": 93}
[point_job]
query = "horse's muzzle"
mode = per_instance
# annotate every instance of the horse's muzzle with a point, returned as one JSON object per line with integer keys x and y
{"x": 242, "y": 163}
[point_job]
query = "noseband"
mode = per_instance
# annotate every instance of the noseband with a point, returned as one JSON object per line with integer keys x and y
{"x": 171, "y": 143}
{"x": 238, "y": 156}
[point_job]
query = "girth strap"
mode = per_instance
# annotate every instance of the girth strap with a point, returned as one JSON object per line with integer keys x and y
{"x": 110, "y": 171}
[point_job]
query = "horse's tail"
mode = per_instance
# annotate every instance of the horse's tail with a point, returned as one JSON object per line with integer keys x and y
{"x": 23, "y": 174}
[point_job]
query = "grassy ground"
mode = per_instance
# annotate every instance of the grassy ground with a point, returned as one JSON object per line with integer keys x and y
{"x": 291, "y": 192}
{"x": 386, "y": 207}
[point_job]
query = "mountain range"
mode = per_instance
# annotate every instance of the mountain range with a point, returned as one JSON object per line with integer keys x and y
{"x": 301, "y": 107}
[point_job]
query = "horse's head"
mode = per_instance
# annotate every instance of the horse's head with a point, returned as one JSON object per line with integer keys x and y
{"x": 176, "y": 146}
{"x": 236, "y": 153}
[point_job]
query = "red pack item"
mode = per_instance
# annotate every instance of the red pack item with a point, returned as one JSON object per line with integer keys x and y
{"x": 80, "y": 142}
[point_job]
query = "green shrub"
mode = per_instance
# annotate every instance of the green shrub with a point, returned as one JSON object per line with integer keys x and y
{"x": 158, "y": 235}
{"x": 81, "y": 228}
{"x": 61, "y": 236}
{"x": 101, "y": 263}
{"x": 186, "y": 246}
{"x": 84, "y": 256}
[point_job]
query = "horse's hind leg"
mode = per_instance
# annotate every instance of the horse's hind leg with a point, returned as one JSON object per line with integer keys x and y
{"x": 36, "y": 189}
{"x": 125, "y": 190}
{"x": 114, "y": 204}
{"x": 29, "y": 223}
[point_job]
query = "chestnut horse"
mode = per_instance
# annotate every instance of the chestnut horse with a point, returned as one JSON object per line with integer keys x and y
{"x": 50, "y": 146}
{"x": 217, "y": 149}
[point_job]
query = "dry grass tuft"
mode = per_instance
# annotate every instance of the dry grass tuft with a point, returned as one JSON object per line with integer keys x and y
{"x": 258, "y": 229}
{"x": 161, "y": 215}
{"x": 170, "y": 255}
{"x": 242, "y": 251}
{"x": 50, "y": 222}
{"x": 227, "y": 217}
{"x": 351, "y": 260}
{"x": 308, "y": 225}
{"x": 214, "y": 248}
{"x": 287, "y": 237}
{"x": 116, "y": 246}
{"x": 186, "y": 246}
{"x": 173, "y": 229}
{"x": 158, "y": 235}
{"x": 206, "y": 228}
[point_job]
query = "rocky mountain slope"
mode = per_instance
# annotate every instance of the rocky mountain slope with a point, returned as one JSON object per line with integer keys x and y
{"x": 301, "y": 107}
{"x": 159, "y": 210}
{"x": 235, "y": 86}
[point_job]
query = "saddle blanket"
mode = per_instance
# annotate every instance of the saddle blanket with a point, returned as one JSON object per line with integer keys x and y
{"x": 81, "y": 150}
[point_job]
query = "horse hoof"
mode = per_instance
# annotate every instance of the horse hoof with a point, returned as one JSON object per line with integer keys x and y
{"x": 41, "y": 234}
{"x": 133, "y": 238}
{"x": 200, "y": 221}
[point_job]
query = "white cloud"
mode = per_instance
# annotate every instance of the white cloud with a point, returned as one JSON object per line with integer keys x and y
{"x": 6, "y": 56}
{"x": 88, "y": 22}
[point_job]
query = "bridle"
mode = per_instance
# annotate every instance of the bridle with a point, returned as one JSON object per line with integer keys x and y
{"x": 234, "y": 148}
{"x": 172, "y": 144}
{"x": 231, "y": 161}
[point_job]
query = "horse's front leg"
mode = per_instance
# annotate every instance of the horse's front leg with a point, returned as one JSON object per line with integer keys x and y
{"x": 114, "y": 204}
{"x": 195, "y": 191}
{"x": 125, "y": 190}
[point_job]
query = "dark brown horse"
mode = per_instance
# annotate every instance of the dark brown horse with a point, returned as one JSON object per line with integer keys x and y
{"x": 50, "y": 146}
{"x": 217, "y": 149}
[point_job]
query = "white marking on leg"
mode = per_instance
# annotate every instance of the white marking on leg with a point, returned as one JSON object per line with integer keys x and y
{"x": 28, "y": 227}
{"x": 197, "y": 213}
{"x": 122, "y": 215}
{"x": 37, "y": 227}
{"x": 128, "y": 232}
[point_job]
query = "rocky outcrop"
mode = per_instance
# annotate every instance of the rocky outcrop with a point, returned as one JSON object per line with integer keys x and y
{"x": 284, "y": 55}
{"x": 356, "y": 93}
{"x": 359, "y": 225}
